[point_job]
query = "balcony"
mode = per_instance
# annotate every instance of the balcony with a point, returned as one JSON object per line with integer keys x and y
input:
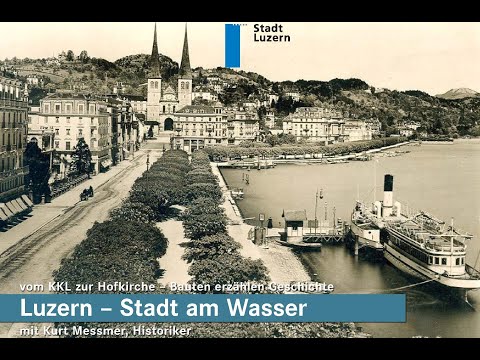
{"x": 15, "y": 172}
{"x": 13, "y": 103}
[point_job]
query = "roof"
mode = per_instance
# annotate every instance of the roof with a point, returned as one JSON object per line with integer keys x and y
{"x": 66, "y": 95}
{"x": 295, "y": 215}
{"x": 197, "y": 109}
{"x": 134, "y": 97}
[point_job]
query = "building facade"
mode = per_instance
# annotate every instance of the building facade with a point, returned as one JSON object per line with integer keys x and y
{"x": 356, "y": 130}
{"x": 44, "y": 138}
{"x": 72, "y": 117}
{"x": 204, "y": 94}
{"x": 198, "y": 126}
{"x": 315, "y": 124}
{"x": 13, "y": 138}
{"x": 164, "y": 98}
{"x": 242, "y": 126}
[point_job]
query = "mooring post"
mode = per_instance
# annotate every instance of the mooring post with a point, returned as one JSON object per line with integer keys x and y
{"x": 356, "y": 245}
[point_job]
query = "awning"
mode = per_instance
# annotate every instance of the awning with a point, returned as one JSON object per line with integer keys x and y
{"x": 14, "y": 208}
{"x": 20, "y": 204}
{"x": 27, "y": 200}
{"x": 3, "y": 216}
{"x": 6, "y": 210}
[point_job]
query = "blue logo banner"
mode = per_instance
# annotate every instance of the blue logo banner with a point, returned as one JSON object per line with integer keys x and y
{"x": 203, "y": 308}
{"x": 232, "y": 45}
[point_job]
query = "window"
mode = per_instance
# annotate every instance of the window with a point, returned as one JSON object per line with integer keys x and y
{"x": 156, "y": 84}
{"x": 57, "y": 120}
{"x": 68, "y": 119}
{"x": 463, "y": 261}
{"x": 430, "y": 259}
{"x": 46, "y": 108}
{"x": 57, "y": 108}
{"x": 186, "y": 85}
{"x": 57, "y": 144}
{"x": 444, "y": 261}
{"x": 164, "y": 109}
{"x": 80, "y": 132}
{"x": 57, "y": 132}
{"x": 152, "y": 84}
{"x": 457, "y": 261}
{"x": 182, "y": 85}
{"x": 67, "y": 145}
{"x": 29, "y": 119}
{"x": 437, "y": 261}
{"x": 68, "y": 108}
{"x": 68, "y": 131}
{"x": 91, "y": 109}
{"x": 80, "y": 108}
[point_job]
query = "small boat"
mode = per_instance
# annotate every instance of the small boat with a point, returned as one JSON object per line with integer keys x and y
{"x": 301, "y": 245}
{"x": 237, "y": 193}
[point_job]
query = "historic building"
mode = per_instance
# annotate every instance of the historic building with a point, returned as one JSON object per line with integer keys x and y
{"x": 44, "y": 138}
{"x": 242, "y": 126}
{"x": 198, "y": 126}
{"x": 315, "y": 124}
{"x": 164, "y": 98}
{"x": 356, "y": 130}
{"x": 13, "y": 138}
{"x": 72, "y": 117}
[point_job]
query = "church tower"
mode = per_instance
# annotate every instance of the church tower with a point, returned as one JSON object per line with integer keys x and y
{"x": 185, "y": 76}
{"x": 154, "y": 90}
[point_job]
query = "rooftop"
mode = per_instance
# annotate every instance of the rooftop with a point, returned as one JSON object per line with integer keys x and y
{"x": 295, "y": 215}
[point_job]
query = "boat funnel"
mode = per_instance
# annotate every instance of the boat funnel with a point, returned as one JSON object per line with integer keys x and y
{"x": 387, "y": 195}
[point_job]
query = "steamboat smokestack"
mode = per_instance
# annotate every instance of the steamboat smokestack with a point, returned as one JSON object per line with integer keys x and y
{"x": 387, "y": 195}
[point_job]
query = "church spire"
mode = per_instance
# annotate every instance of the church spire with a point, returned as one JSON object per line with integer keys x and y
{"x": 154, "y": 62}
{"x": 185, "y": 69}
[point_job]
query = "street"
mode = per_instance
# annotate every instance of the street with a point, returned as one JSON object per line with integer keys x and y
{"x": 37, "y": 246}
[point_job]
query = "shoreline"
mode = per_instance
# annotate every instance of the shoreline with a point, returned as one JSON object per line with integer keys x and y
{"x": 320, "y": 158}
{"x": 282, "y": 263}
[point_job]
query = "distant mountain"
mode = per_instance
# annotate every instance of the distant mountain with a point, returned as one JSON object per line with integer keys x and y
{"x": 460, "y": 93}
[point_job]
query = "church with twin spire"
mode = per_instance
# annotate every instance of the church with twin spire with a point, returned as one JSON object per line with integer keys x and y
{"x": 164, "y": 98}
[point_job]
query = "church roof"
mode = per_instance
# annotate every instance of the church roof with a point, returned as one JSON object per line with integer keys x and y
{"x": 185, "y": 71}
{"x": 154, "y": 62}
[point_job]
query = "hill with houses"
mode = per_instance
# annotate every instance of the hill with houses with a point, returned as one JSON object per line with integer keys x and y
{"x": 455, "y": 113}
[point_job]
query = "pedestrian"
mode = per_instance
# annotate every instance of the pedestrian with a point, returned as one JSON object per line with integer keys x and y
{"x": 90, "y": 189}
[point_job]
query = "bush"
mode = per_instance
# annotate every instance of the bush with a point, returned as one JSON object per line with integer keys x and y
{"x": 116, "y": 250}
{"x": 133, "y": 211}
{"x": 204, "y": 224}
{"x": 204, "y": 190}
{"x": 227, "y": 269}
{"x": 209, "y": 247}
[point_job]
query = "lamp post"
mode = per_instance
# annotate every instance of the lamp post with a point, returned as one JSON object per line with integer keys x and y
{"x": 148, "y": 164}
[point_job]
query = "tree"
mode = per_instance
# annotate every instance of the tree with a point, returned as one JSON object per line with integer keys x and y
{"x": 70, "y": 55}
{"x": 39, "y": 171}
{"x": 83, "y": 57}
{"x": 81, "y": 158}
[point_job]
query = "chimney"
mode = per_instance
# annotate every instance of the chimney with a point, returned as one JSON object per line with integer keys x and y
{"x": 387, "y": 196}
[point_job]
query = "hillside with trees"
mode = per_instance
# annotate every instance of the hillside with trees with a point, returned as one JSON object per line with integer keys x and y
{"x": 353, "y": 97}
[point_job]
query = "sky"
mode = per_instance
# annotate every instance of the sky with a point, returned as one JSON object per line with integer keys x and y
{"x": 432, "y": 57}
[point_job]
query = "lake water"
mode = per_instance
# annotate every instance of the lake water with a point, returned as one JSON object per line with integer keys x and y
{"x": 442, "y": 179}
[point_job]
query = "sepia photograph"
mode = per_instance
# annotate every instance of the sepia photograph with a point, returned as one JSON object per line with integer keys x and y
{"x": 239, "y": 180}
